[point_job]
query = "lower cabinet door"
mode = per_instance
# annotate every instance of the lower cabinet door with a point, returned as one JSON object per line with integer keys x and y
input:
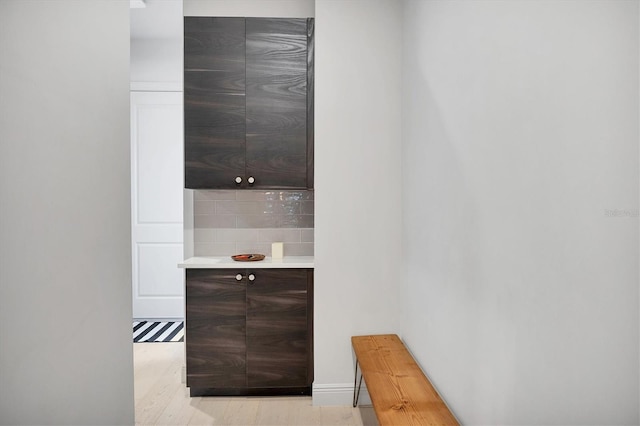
{"x": 249, "y": 332}
{"x": 279, "y": 329}
{"x": 215, "y": 330}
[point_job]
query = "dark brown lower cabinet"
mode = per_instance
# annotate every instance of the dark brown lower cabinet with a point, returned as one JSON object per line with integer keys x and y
{"x": 249, "y": 336}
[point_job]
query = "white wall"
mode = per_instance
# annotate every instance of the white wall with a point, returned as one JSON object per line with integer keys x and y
{"x": 357, "y": 183}
{"x": 253, "y": 8}
{"x": 520, "y": 133}
{"x": 65, "y": 260}
{"x": 156, "y": 65}
{"x": 157, "y": 46}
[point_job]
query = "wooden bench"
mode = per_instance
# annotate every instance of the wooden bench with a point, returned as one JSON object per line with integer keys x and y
{"x": 400, "y": 392}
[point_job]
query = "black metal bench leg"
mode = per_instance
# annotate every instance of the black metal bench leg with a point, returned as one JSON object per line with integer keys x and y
{"x": 355, "y": 380}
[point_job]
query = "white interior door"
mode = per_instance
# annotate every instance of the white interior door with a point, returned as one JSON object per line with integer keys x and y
{"x": 157, "y": 182}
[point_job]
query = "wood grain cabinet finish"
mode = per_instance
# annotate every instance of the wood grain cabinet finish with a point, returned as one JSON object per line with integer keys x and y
{"x": 248, "y": 337}
{"x": 216, "y": 329}
{"x": 278, "y": 333}
{"x": 214, "y": 101}
{"x": 248, "y": 103}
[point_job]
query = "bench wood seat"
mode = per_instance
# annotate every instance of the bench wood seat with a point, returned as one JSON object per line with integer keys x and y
{"x": 400, "y": 392}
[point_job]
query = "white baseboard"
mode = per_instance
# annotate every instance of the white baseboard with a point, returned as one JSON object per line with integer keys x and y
{"x": 338, "y": 394}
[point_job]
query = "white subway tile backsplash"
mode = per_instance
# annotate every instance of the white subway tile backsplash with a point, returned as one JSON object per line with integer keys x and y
{"x": 214, "y": 194}
{"x": 214, "y": 221}
{"x": 296, "y": 221}
{"x": 306, "y": 235}
{"x": 281, "y": 207}
{"x": 214, "y": 249}
{"x": 274, "y": 195}
{"x": 257, "y": 221}
{"x": 274, "y": 221}
{"x": 237, "y": 235}
{"x": 204, "y": 235}
{"x": 298, "y": 249}
{"x": 307, "y": 207}
{"x": 229, "y": 222}
{"x": 236, "y": 207}
{"x": 203, "y": 207}
{"x": 279, "y": 235}
{"x": 251, "y": 195}
{"x": 253, "y": 248}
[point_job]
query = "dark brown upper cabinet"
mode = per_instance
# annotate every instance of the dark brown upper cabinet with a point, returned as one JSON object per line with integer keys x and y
{"x": 248, "y": 103}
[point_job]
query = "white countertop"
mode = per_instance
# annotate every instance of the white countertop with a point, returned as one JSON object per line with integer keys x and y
{"x": 219, "y": 262}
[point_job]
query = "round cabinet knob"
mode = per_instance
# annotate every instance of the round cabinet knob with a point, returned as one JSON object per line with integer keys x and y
{"x": 251, "y": 179}
{"x": 238, "y": 179}
{"x": 239, "y": 277}
{"x": 252, "y": 277}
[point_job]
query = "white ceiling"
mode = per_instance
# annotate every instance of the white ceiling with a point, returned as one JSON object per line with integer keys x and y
{"x": 160, "y": 19}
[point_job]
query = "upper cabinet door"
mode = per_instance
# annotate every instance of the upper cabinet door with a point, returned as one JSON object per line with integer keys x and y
{"x": 248, "y": 103}
{"x": 277, "y": 102}
{"x": 214, "y": 101}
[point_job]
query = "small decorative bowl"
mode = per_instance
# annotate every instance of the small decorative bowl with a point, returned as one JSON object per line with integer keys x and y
{"x": 250, "y": 257}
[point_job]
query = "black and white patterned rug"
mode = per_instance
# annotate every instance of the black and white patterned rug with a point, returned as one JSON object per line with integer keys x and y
{"x": 150, "y": 331}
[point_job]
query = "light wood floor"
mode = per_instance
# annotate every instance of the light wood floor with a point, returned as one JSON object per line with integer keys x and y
{"x": 161, "y": 398}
